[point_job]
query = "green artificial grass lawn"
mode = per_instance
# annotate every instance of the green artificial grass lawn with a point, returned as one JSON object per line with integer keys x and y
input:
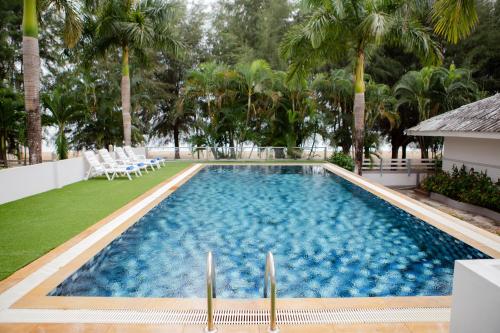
{"x": 32, "y": 226}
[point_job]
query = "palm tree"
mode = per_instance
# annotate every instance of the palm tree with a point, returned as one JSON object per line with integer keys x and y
{"x": 334, "y": 96}
{"x": 434, "y": 90}
{"x": 336, "y": 30}
{"x": 207, "y": 85}
{"x": 255, "y": 76}
{"x": 380, "y": 104}
{"x": 176, "y": 120}
{"x": 63, "y": 109}
{"x": 134, "y": 26}
{"x": 31, "y": 64}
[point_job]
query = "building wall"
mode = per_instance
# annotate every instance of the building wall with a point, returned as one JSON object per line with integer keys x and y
{"x": 480, "y": 154}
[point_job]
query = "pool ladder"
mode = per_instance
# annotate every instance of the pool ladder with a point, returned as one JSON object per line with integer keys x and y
{"x": 210, "y": 293}
{"x": 269, "y": 291}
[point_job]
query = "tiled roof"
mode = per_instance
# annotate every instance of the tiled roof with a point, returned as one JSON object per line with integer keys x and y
{"x": 482, "y": 116}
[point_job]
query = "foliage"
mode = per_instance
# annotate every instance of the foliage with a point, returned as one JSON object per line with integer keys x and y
{"x": 10, "y": 42}
{"x": 353, "y": 30}
{"x": 467, "y": 186}
{"x": 250, "y": 102}
{"x": 480, "y": 52}
{"x": 230, "y": 86}
{"x": 244, "y": 30}
{"x": 339, "y": 30}
{"x": 454, "y": 19}
{"x": 342, "y": 160}
{"x": 434, "y": 90}
{"x": 63, "y": 108}
{"x": 11, "y": 122}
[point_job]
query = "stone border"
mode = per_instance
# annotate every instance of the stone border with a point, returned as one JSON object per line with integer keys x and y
{"x": 465, "y": 206}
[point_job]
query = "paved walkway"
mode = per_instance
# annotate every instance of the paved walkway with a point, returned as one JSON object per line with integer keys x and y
{"x": 477, "y": 220}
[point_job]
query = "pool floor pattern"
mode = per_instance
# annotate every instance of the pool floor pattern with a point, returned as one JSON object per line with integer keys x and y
{"x": 330, "y": 238}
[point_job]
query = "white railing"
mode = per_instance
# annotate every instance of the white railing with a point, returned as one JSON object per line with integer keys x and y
{"x": 240, "y": 153}
{"x": 410, "y": 165}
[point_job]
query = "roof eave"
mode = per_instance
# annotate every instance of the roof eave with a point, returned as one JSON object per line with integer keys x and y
{"x": 477, "y": 135}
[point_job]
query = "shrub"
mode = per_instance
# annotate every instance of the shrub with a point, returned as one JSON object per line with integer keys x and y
{"x": 466, "y": 186}
{"x": 342, "y": 160}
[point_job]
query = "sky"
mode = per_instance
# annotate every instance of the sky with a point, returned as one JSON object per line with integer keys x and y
{"x": 207, "y": 3}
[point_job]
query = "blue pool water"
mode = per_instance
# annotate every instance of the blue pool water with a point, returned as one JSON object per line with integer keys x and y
{"x": 330, "y": 238}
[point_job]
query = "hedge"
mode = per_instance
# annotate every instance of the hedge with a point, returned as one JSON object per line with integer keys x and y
{"x": 471, "y": 187}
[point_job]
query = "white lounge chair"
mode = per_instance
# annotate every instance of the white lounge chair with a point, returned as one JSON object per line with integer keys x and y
{"x": 160, "y": 160}
{"x": 140, "y": 159}
{"x": 121, "y": 156}
{"x": 123, "y": 160}
{"x": 109, "y": 161}
{"x": 96, "y": 168}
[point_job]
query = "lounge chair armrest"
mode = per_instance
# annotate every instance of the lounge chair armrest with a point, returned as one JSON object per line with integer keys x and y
{"x": 107, "y": 165}
{"x": 140, "y": 157}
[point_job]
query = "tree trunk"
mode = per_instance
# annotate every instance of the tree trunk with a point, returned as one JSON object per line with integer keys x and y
{"x": 249, "y": 106}
{"x": 125, "y": 92}
{"x": 31, "y": 73}
{"x": 394, "y": 151}
{"x": 3, "y": 151}
{"x": 359, "y": 111}
{"x": 19, "y": 154}
{"x": 346, "y": 149}
{"x": 423, "y": 147}
{"x": 176, "y": 141}
{"x": 232, "y": 153}
{"x": 62, "y": 150}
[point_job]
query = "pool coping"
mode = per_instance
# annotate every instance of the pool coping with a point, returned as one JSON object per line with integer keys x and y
{"x": 27, "y": 288}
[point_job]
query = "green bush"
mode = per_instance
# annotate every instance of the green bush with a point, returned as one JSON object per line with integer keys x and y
{"x": 342, "y": 160}
{"x": 471, "y": 187}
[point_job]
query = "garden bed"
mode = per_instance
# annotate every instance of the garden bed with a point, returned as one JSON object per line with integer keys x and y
{"x": 465, "y": 206}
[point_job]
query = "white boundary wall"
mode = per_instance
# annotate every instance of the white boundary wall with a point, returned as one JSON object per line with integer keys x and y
{"x": 20, "y": 182}
{"x": 395, "y": 179}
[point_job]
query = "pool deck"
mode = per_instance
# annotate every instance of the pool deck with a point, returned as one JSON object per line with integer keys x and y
{"x": 28, "y": 287}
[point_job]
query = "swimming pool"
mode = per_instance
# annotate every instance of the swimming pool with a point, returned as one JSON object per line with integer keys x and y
{"x": 330, "y": 238}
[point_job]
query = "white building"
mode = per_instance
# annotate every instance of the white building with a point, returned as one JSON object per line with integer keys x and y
{"x": 471, "y": 135}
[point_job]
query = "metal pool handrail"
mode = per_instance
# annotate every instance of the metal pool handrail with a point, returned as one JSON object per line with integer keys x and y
{"x": 270, "y": 278}
{"x": 210, "y": 293}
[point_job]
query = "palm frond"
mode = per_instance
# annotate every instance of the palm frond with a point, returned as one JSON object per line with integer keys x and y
{"x": 454, "y": 19}
{"x": 375, "y": 26}
{"x": 414, "y": 37}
